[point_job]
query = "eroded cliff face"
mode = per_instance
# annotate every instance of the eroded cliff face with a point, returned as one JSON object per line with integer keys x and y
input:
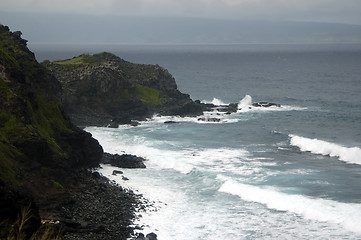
{"x": 103, "y": 89}
{"x": 40, "y": 149}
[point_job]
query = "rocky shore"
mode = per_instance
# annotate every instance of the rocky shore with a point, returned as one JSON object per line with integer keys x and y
{"x": 93, "y": 209}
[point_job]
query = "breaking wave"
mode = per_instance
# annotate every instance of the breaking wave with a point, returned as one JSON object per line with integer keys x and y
{"x": 345, "y": 214}
{"x": 316, "y": 146}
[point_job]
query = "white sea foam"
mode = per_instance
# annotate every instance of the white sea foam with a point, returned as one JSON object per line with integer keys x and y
{"x": 345, "y": 214}
{"x": 245, "y": 105}
{"x": 172, "y": 181}
{"x": 219, "y": 117}
{"x": 183, "y": 160}
{"x": 346, "y": 154}
{"x": 186, "y": 160}
{"x": 216, "y": 101}
{"x": 211, "y": 117}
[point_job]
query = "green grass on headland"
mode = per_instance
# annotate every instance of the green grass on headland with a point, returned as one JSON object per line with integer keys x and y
{"x": 147, "y": 94}
{"x": 81, "y": 60}
{"x": 84, "y": 59}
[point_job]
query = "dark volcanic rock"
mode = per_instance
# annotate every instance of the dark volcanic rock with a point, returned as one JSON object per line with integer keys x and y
{"x": 206, "y": 119}
{"x": 105, "y": 90}
{"x": 230, "y": 108}
{"x": 265, "y": 104}
{"x": 94, "y": 209}
{"x": 170, "y": 122}
{"x": 123, "y": 161}
{"x": 151, "y": 236}
{"x": 116, "y": 172}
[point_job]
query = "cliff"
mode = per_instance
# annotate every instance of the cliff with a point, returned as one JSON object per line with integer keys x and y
{"x": 104, "y": 90}
{"x": 42, "y": 154}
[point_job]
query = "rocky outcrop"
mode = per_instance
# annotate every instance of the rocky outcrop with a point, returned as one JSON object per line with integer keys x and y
{"x": 265, "y": 104}
{"x": 123, "y": 161}
{"x": 104, "y": 90}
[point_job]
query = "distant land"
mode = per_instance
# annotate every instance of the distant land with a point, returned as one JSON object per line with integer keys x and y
{"x": 70, "y": 29}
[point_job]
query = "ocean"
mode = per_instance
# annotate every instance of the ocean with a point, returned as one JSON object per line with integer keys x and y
{"x": 289, "y": 172}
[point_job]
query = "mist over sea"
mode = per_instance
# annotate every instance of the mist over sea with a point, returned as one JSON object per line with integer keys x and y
{"x": 289, "y": 172}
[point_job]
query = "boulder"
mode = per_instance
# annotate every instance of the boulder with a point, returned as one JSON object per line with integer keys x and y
{"x": 116, "y": 172}
{"x": 140, "y": 236}
{"x": 123, "y": 161}
{"x": 151, "y": 236}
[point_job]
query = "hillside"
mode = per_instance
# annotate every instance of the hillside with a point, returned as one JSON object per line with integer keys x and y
{"x": 44, "y": 159}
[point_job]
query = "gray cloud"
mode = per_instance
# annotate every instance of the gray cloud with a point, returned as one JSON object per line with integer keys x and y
{"x": 345, "y": 11}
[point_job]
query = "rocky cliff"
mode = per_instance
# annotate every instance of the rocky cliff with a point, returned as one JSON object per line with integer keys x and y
{"x": 44, "y": 157}
{"x": 104, "y": 90}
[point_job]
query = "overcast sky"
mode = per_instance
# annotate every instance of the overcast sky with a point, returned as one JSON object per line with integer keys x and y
{"x": 337, "y": 11}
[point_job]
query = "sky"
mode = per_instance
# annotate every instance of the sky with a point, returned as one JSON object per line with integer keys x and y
{"x": 332, "y": 11}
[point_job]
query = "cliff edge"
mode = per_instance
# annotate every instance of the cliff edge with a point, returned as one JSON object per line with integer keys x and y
{"x": 105, "y": 90}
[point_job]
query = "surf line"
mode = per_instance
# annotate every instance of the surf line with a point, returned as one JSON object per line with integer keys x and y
{"x": 316, "y": 146}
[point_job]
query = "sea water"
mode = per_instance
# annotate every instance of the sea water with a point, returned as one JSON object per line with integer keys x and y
{"x": 289, "y": 172}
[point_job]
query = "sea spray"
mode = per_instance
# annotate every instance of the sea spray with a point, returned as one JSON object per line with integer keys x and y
{"x": 245, "y": 103}
{"x": 218, "y": 102}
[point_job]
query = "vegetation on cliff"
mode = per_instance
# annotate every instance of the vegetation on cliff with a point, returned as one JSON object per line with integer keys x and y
{"x": 103, "y": 89}
{"x": 84, "y": 59}
{"x": 147, "y": 94}
{"x": 38, "y": 143}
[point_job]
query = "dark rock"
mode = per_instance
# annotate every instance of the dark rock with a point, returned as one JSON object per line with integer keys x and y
{"x": 125, "y": 178}
{"x": 205, "y": 119}
{"x": 140, "y": 236}
{"x": 232, "y": 107}
{"x": 228, "y": 109}
{"x": 123, "y": 161}
{"x": 113, "y": 125}
{"x": 96, "y": 175}
{"x": 265, "y": 104}
{"x": 151, "y": 236}
{"x": 170, "y": 122}
{"x": 134, "y": 123}
{"x": 116, "y": 172}
{"x": 85, "y": 150}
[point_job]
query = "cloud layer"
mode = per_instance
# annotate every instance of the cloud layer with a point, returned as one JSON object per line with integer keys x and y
{"x": 345, "y": 11}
